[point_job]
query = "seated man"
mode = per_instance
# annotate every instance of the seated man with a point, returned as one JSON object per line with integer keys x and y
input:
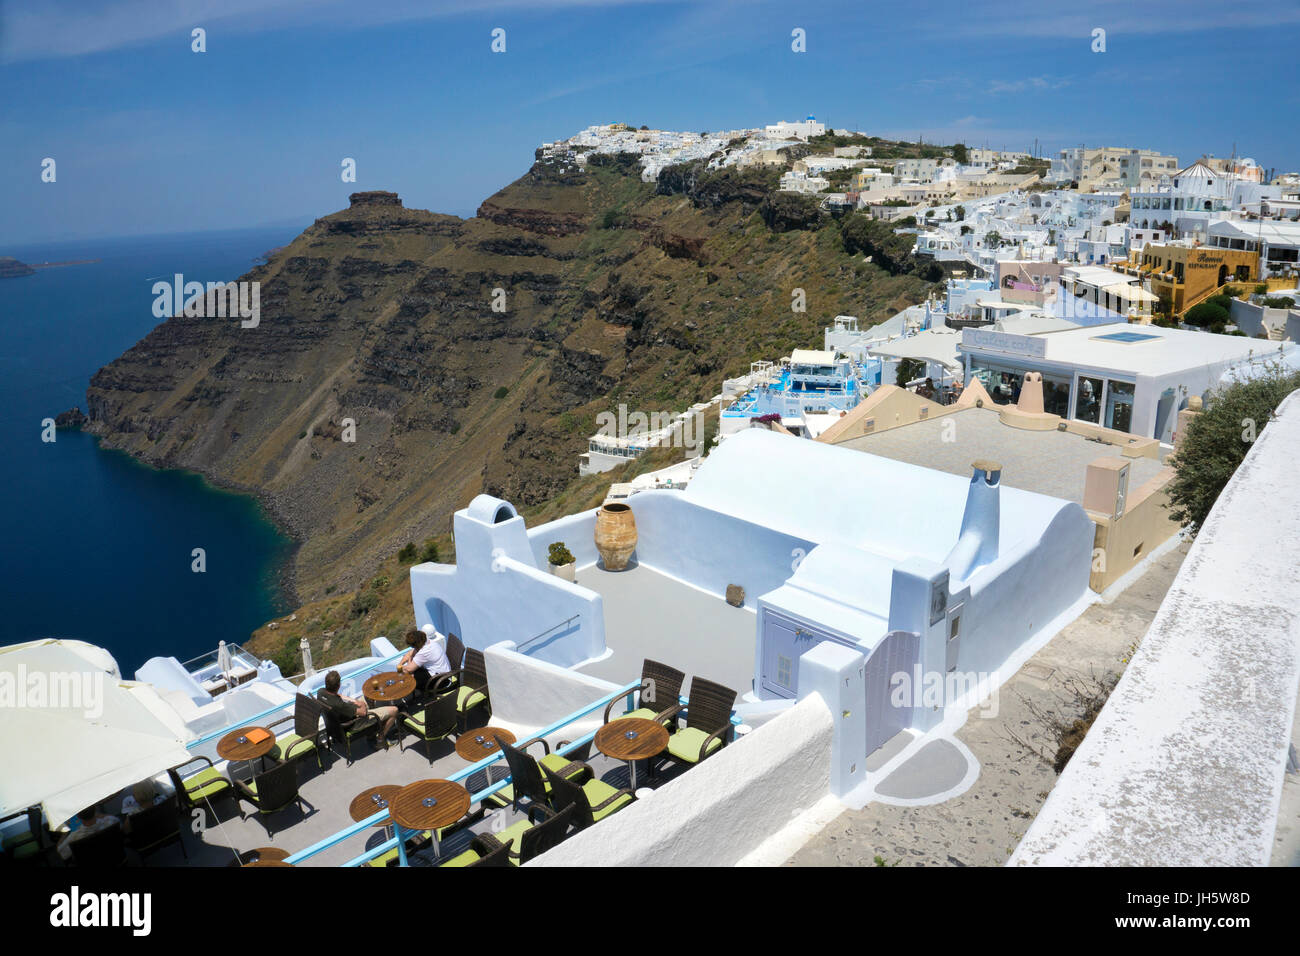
{"x": 92, "y": 821}
{"x": 143, "y": 795}
{"x": 349, "y": 708}
{"x": 426, "y": 658}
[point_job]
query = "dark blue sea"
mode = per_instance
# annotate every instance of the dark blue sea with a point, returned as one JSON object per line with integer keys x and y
{"x": 93, "y": 544}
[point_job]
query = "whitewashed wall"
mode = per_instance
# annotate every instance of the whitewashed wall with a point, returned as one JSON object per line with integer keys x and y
{"x": 721, "y": 810}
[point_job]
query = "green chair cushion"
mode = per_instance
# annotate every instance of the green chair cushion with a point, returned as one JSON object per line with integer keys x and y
{"x": 284, "y": 744}
{"x": 467, "y": 697}
{"x": 15, "y": 841}
{"x": 598, "y": 791}
{"x": 685, "y": 744}
{"x": 462, "y": 859}
{"x": 208, "y": 782}
{"x": 25, "y": 851}
{"x": 645, "y": 713}
{"x": 383, "y": 858}
{"x": 555, "y": 763}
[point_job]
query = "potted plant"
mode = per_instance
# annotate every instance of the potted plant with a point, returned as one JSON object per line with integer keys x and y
{"x": 563, "y": 562}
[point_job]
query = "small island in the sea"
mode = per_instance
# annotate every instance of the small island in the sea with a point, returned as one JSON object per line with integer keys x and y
{"x": 11, "y": 268}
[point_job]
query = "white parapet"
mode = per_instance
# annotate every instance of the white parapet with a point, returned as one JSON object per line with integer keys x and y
{"x": 1185, "y": 764}
{"x": 720, "y": 811}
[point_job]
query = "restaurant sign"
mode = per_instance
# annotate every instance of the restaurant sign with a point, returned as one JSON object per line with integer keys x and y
{"x": 1033, "y": 346}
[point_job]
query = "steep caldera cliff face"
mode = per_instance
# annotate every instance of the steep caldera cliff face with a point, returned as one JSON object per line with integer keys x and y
{"x": 380, "y": 316}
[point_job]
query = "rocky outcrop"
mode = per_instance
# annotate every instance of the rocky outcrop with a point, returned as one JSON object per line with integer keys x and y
{"x": 539, "y": 221}
{"x": 374, "y": 198}
{"x": 11, "y": 268}
{"x": 72, "y": 418}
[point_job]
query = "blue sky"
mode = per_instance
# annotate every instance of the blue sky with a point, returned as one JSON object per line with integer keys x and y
{"x": 150, "y": 137}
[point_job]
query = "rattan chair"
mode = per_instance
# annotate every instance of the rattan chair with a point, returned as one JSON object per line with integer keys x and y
{"x": 708, "y": 723}
{"x": 524, "y": 766}
{"x": 104, "y": 848}
{"x": 455, "y": 652}
{"x": 308, "y": 736}
{"x": 271, "y": 792}
{"x": 473, "y": 685}
{"x": 343, "y": 731}
{"x": 481, "y": 852}
{"x": 200, "y": 789}
{"x": 529, "y": 839}
{"x": 659, "y": 694}
{"x": 589, "y": 802}
{"x": 156, "y": 827}
{"x": 29, "y": 847}
{"x": 436, "y": 720}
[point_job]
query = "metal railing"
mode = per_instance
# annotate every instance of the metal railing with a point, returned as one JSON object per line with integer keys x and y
{"x": 398, "y": 841}
{"x": 254, "y": 718}
{"x": 537, "y": 637}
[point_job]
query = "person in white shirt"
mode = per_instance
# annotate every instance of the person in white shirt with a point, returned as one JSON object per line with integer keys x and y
{"x": 146, "y": 793}
{"x": 427, "y": 657}
{"x": 92, "y": 821}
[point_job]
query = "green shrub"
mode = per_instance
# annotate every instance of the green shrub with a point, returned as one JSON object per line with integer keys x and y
{"x": 408, "y": 553}
{"x": 364, "y": 603}
{"x": 430, "y": 552}
{"x": 501, "y": 392}
{"x": 1218, "y": 439}
{"x": 1206, "y": 314}
{"x": 1279, "y": 302}
{"x": 1261, "y": 289}
{"x": 559, "y": 554}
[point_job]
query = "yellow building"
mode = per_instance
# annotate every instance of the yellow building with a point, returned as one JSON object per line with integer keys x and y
{"x": 1185, "y": 275}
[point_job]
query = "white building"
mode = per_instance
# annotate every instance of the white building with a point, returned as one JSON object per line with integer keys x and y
{"x": 1130, "y": 378}
{"x": 804, "y": 130}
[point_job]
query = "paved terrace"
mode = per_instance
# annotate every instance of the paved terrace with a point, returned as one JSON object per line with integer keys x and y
{"x": 1049, "y": 462}
{"x": 328, "y": 794}
{"x": 648, "y": 614}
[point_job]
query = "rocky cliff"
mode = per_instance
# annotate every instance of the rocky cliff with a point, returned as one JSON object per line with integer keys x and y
{"x": 364, "y": 408}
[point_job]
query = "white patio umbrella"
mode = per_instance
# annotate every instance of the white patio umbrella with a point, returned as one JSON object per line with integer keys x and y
{"x": 72, "y": 732}
{"x": 223, "y": 661}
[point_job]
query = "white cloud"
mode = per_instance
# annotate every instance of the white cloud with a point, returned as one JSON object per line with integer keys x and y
{"x": 66, "y": 28}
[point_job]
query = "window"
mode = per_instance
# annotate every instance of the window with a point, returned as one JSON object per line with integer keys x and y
{"x": 1087, "y": 404}
{"x": 783, "y": 670}
{"x": 1119, "y": 406}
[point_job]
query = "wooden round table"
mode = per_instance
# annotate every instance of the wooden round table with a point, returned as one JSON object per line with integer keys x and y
{"x": 427, "y": 805}
{"x": 267, "y": 863}
{"x": 262, "y": 855}
{"x": 364, "y": 804}
{"x": 388, "y": 687}
{"x": 236, "y": 746}
{"x": 477, "y": 744}
{"x": 631, "y": 739}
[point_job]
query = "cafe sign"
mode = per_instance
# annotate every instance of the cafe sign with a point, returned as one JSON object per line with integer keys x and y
{"x": 1031, "y": 346}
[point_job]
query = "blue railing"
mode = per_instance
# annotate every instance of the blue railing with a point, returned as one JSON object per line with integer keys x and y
{"x": 398, "y": 841}
{"x": 254, "y": 718}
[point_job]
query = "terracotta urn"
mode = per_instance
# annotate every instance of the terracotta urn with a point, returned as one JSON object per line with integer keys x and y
{"x": 615, "y": 535}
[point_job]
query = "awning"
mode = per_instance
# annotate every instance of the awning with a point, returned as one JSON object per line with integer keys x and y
{"x": 1130, "y": 293}
{"x": 74, "y": 733}
{"x": 930, "y": 346}
{"x": 812, "y": 357}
